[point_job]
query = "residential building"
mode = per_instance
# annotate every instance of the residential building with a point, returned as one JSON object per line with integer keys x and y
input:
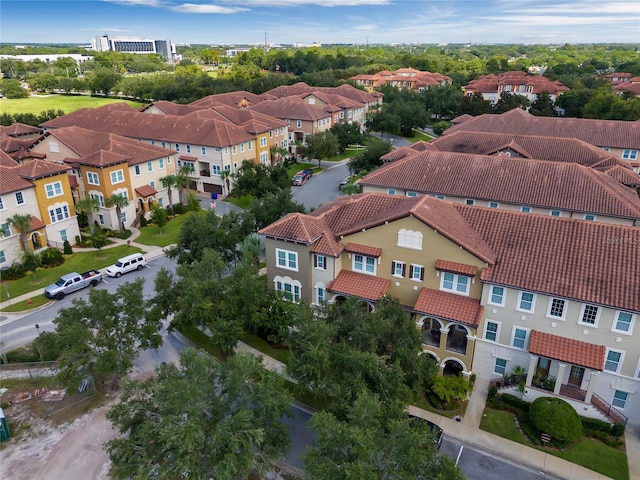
{"x": 490, "y": 289}
{"x": 630, "y": 87}
{"x": 619, "y": 138}
{"x": 401, "y": 78}
{"x": 39, "y": 189}
{"x": 492, "y": 86}
{"x": 134, "y": 45}
{"x": 16, "y": 139}
{"x": 616, "y": 78}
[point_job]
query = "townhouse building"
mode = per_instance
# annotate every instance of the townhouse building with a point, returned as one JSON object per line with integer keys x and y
{"x": 401, "y": 78}
{"x": 104, "y": 164}
{"x": 620, "y": 138}
{"x": 492, "y": 86}
{"x": 526, "y": 185}
{"x": 16, "y": 139}
{"x": 490, "y": 289}
{"x": 41, "y": 190}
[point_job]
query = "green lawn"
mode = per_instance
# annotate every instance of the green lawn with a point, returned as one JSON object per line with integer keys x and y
{"x": 36, "y": 302}
{"x": 66, "y": 103}
{"x": 502, "y": 424}
{"x": 151, "y": 235}
{"x": 296, "y": 167}
{"x": 241, "y": 202}
{"x": 420, "y": 136}
{"x": 78, "y": 262}
{"x": 262, "y": 345}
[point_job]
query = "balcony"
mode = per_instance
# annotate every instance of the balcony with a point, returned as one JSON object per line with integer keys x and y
{"x": 205, "y": 173}
{"x": 431, "y": 337}
{"x": 457, "y": 343}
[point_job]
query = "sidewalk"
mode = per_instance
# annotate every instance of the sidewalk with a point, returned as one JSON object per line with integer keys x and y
{"x": 468, "y": 432}
{"x": 150, "y": 251}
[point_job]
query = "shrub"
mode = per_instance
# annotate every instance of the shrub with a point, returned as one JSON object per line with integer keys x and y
{"x": 595, "y": 424}
{"x": 493, "y": 391}
{"x": 178, "y": 209}
{"x": 450, "y": 387}
{"x": 143, "y": 221}
{"x": 14, "y": 272}
{"x": 440, "y": 127}
{"x": 515, "y": 402}
{"x": 617, "y": 430}
{"x": 52, "y": 256}
{"x": 67, "y": 248}
{"x": 557, "y": 418}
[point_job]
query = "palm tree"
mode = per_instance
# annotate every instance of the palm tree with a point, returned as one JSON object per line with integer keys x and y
{"x": 224, "y": 175}
{"x": 87, "y": 206}
{"x": 168, "y": 182}
{"x": 182, "y": 180}
{"x": 118, "y": 201}
{"x": 22, "y": 223}
{"x": 277, "y": 154}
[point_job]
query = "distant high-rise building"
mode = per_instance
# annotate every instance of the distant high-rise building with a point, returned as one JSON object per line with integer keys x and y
{"x": 134, "y": 45}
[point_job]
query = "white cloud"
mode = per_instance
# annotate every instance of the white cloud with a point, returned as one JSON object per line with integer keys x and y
{"x": 316, "y": 3}
{"x": 206, "y": 8}
{"x": 148, "y": 3}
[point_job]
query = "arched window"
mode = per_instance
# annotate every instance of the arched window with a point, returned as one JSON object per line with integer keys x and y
{"x": 291, "y": 289}
{"x": 410, "y": 239}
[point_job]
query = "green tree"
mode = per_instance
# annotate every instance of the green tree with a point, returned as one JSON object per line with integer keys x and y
{"x": 183, "y": 179}
{"x": 320, "y": 146}
{"x": 271, "y": 207}
{"x": 383, "y": 121}
{"x": 257, "y": 180}
{"x": 543, "y": 105}
{"x": 22, "y": 223}
{"x": 169, "y": 182}
{"x": 119, "y": 202}
{"x": 159, "y": 216}
{"x": 509, "y": 101}
{"x": 103, "y": 81}
{"x": 200, "y": 419}
{"x": 348, "y": 134}
{"x": 85, "y": 209}
{"x": 98, "y": 237}
{"x": 103, "y": 334}
{"x": 31, "y": 261}
{"x": 371, "y": 157}
{"x": 13, "y": 89}
{"x": 475, "y": 105}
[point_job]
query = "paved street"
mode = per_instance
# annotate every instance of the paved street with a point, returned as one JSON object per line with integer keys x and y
{"x": 322, "y": 187}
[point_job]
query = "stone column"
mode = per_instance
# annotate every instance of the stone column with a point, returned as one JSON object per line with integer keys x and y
{"x": 592, "y": 381}
{"x": 533, "y": 363}
{"x": 561, "y": 369}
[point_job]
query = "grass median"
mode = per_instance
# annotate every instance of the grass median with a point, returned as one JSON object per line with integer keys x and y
{"x": 151, "y": 235}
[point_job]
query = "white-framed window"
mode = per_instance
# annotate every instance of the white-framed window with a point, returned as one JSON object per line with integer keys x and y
{"x": 149, "y": 167}
{"x": 203, "y": 151}
{"x": 391, "y": 191}
{"x": 398, "y": 269}
{"x": 613, "y": 360}
{"x": 320, "y": 293}
{"x": 117, "y": 176}
{"x": 235, "y": 167}
{"x": 168, "y": 160}
{"x": 285, "y": 142}
{"x": 264, "y": 158}
{"x": 619, "y": 399}
{"x": 299, "y": 124}
{"x": 629, "y": 154}
{"x": 557, "y": 308}
{"x": 417, "y": 273}
{"x": 589, "y": 315}
{"x": 215, "y": 169}
{"x": 242, "y": 147}
{"x": 623, "y": 322}
{"x": 441, "y": 197}
{"x": 519, "y": 338}
{"x": 53, "y": 189}
{"x": 98, "y": 197}
{"x": 160, "y": 202}
{"x": 500, "y": 366}
{"x": 57, "y": 214}
{"x": 177, "y": 149}
{"x": 54, "y": 147}
{"x": 319, "y": 261}
{"x": 497, "y": 295}
{"x": 63, "y": 235}
{"x": 136, "y": 170}
{"x": 525, "y": 209}
{"x": 188, "y": 148}
{"x": 526, "y": 302}
{"x": 6, "y": 230}
{"x": 1, "y": 204}
{"x": 555, "y": 213}
{"x": 491, "y": 331}
{"x": 410, "y": 239}
{"x": 412, "y": 194}
{"x": 287, "y": 259}
{"x": 341, "y": 114}
{"x": 452, "y": 282}
{"x": 161, "y": 163}
{"x": 234, "y": 149}
{"x": 589, "y": 217}
{"x": 494, "y": 205}
{"x": 101, "y": 219}
{"x": 291, "y": 289}
{"x": 123, "y": 217}
{"x": 470, "y": 201}
{"x": 363, "y": 263}
{"x": 227, "y": 168}
{"x": 19, "y": 198}
{"x": 94, "y": 179}
{"x": 270, "y": 133}
{"x": 3, "y": 258}
{"x": 164, "y": 144}
{"x": 152, "y": 184}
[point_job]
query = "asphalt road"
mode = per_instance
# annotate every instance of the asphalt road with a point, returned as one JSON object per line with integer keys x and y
{"x": 322, "y": 187}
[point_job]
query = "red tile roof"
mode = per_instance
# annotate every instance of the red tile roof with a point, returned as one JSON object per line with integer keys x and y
{"x": 297, "y": 227}
{"x": 454, "y": 267}
{"x": 188, "y": 158}
{"x": 327, "y": 245}
{"x": 567, "y": 350}
{"x": 449, "y": 306}
{"x": 490, "y": 83}
{"x": 73, "y": 181}
{"x": 36, "y": 224}
{"x": 36, "y": 169}
{"x": 363, "y": 249}
{"x": 146, "y": 191}
{"x": 359, "y": 285}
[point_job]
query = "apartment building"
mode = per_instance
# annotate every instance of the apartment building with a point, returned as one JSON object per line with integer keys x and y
{"x": 401, "y": 78}
{"x": 490, "y": 289}
{"x": 492, "y": 86}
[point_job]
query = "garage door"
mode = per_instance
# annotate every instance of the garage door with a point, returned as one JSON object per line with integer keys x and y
{"x": 212, "y": 188}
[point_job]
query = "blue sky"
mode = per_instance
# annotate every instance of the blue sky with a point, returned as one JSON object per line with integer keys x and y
{"x": 327, "y": 21}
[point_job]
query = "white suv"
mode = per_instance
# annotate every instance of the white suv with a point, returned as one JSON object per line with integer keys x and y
{"x": 127, "y": 264}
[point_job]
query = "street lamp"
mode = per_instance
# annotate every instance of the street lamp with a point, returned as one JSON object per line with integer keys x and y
{"x": 38, "y": 328}
{"x": 37, "y": 348}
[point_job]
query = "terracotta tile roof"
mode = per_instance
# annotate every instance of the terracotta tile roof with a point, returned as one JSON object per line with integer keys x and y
{"x": 568, "y": 350}
{"x": 490, "y": 83}
{"x": 73, "y": 181}
{"x": 6, "y": 160}
{"x": 188, "y": 158}
{"x": 296, "y": 226}
{"x": 518, "y": 181}
{"x": 10, "y": 144}
{"x": 363, "y": 249}
{"x": 359, "y": 285}
{"x": 344, "y": 90}
{"x": 11, "y": 181}
{"x": 36, "y": 224}
{"x": 36, "y": 169}
{"x": 170, "y": 108}
{"x": 455, "y": 267}
{"x": 292, "y": 108}
{"x": 602, "y": 133}
{"x": 146, "y": 191}
{"x": 101, "y": 159}
{"x": 624, "y": 175}
{"x": 237, "y": 99}
{"x": 327, "y": 245}
{"x": 252, "y": 120}
{"x": 590, "y": 262}
{"x": 449, "y": 306}
{"x": 417, "y": 77}
{"x": 19, "y": 129}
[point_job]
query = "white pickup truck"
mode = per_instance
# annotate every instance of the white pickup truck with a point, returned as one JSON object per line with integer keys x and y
{"x": 71, "y": 282}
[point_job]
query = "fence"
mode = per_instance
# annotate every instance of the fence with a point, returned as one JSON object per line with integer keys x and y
{"x": 608, "y": 409}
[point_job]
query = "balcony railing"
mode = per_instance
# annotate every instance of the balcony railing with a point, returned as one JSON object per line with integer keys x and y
{"x": 205, "y": 173}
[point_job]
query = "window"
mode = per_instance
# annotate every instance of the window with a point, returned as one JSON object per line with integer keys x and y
{"x": 19, "y": 198}
{"x": 500, "y": 367}
{"x": 589, "y": 315}
{"x": 341, "y": 114}
{"x": 441, "y": 197}
{"x": 53, "y": 189}
{"x": 215, "y": 169}
{"x": 164, "y": 144}
{"x": 270, "y": 133}
{"x": 161, "y": 163}
{"x": 264, "y": 158}
{"x": 623, "y": 322}
{"x": 117, "y": 177}
{"x": 177, "y": 147}
{"x": 590, "y": 217}
{"x": 362, "y": 263}
{"x": 136, "y": 170}
{"x": 263, "y": 141}
{"x": 470, "y": 201}
{"x": 188, "y": 148}
{"x": 234, "y": 149}
{"x": 299, "y": 124}
{"x": 98, "y": 197}
{"x": 250, "y": 144}
{"x": 491, "y": 331}
{"x": 320, "y": 262}
{"x": 525, "y": 209}
{"x": 555, "y": 213}
{"x": 412, "y": 194}
{"x": 452, "y": 282}
{"x": 288, "y": 287}
{"x": 320, "y": 293}
{"x": 63, "y": 235}
{"x": 526, "y": 301}
{"x": 227, "y": 168}
{"x": 93, "y": 178}
{"x": 519, "y": 339}
{"x": 59, "y": 213}
{"x": 149, "y": 167}
{"x": 123, "y": 217}
{"x": 287, "y": 259}
{"x": 398, "y": 268}
{"x": 417, "y": 273}
{"x": 557, "y": 308}
{"x": 152, "y": 184}
{"x": 613, "y": 361}
{"x": 168, "y": 160}
{"x": 3, "y": 258}
{"x": 203, "y": 151}
{"x": 619, "y": 399}
{"x": 6, "y": 231}
{"x": 630, "y": 154}
{"x": 54, "y": 147}
{"x": 101, "y": 219}
{"x": 242, "y": 147}
{"x": 1, "y": 204}
{"x": 493, "y": 205}
{"x": 410, "y": 239}
{"x": 496, "y": 296}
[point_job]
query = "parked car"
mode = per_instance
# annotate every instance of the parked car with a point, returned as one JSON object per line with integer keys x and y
{"x": 127, "y": 264}
{"x": 308, "y": 172}
{"x": 71, "y": 282}
{"x": 301, "y": 177}
{"x": 438, "y": 434}
{"x": 345, "y": 181}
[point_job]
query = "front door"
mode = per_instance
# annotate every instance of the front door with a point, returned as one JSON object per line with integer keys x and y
{"x": 575, "y": 376}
